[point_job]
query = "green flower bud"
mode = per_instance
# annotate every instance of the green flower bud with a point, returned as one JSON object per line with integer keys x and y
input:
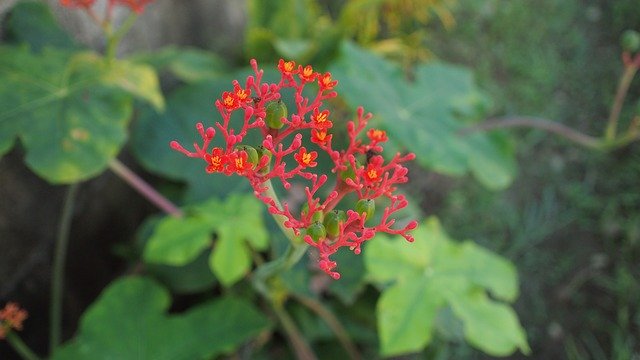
{"x": 316, "y": 231}
{"x": 332, "y": 222}
{"x": 276, "y": 110}
{"x": 317, "y": 216}
{"x": 630, "y": 41}
{"x": 367, "y": 206}
{"x": 252, "y": 154}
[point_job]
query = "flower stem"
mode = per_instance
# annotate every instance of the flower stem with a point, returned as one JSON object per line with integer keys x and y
{"x": 144, "y": 188}
{"x": 113, "y": 38}
{"x": 299, "y": 344}
{"x": 59, "y": 260}
{"x": 333, "y": 322}
{"x": 20, "y": 347}
{"x": 280, "y": 219}
{"x": 266, "y": 272}
{"x": 623, "y": 87}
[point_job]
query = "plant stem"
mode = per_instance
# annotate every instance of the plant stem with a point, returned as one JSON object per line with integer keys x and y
{"x": 266, "y": 272}
{"x": 623, "y": 87}
{"x": 113, "y": 38}
{"x": 59, "y": 261}
{"x": 20, "y": 347}
{"x": 280, "y": 219}
{"x": 144, "y": 188}
{"x": 333, "y": 322}
{"x": 300, "y": 346}
{"x": 537, "y": 123}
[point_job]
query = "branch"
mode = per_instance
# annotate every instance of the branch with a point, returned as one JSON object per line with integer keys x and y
{"x": 536, "y": 123}
{"x": 144, "y": 188}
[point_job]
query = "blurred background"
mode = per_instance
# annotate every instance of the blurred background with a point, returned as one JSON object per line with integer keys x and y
{"x": 569, "y": 218}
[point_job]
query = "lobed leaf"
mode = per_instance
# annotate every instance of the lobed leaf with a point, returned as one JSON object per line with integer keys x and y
{"x": 435, "y": 272}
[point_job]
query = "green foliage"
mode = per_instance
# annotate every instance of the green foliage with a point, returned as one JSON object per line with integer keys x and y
{"x": 237, "y": 223}
{"x": 424, "y": 115}
{"x": 129, "y": 321}
{"x": 70, "y": 123}
{"x": 434, "y": 272}
{"x": 293, "y": 29}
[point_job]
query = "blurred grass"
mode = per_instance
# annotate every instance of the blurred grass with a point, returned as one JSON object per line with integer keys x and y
{"x": 571, "y": 221}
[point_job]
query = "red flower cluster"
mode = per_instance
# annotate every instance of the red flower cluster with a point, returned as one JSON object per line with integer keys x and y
{"x": 11, "y": 317}
{"x": 135, "y": 5}
{"x": 324, "y": 220}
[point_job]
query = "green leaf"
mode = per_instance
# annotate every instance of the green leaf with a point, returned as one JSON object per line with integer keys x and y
{"x": 129, "y": 321}
{"x": 139, "y": 80}
{"x": 188, "y": 64}
{"x": 425, "y": 113}
{"x": 434, "y": 271}
{"x": 230, "y": 260}
{"x": 490, "y": 326}
{"x": 70, "y": 123}
{"x": 238, "y": 225}
{"x": 237, "y": 221}
{"x": 407, "y": 314}
{"x": 178, "y": 241}
{"x": 32, "y": 22}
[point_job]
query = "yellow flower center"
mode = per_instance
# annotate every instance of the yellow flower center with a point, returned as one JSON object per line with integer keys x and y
{"x": 242, "y": 95}
{"x": 308, "y": 71}
{"x": 216, "y": 161}
{"x": 229, "y": 101}
{"x": 306, "y": 158}
{"x": 372, "y": 174}
{"x": 289, "y": 66}
{"x": 322, "y": 117}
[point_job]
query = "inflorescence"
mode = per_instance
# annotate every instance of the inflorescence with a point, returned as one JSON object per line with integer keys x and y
{"x": 11, "y": 318}
{"x": 325, "y": 223}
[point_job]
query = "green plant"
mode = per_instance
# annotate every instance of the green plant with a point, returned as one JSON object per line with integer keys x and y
{"x": 218, "y": 244}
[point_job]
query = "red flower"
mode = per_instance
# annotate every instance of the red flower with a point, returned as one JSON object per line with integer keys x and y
{"x": 325, "y": 82}
{"x": 305, "y": 158}
{"x": 11, "y": 317}
{"x": 287, "y": 67}
{"x": 77, "y": 3}
{"x": 135, "y": 5}
{"x": 320, "y": 137}
{"x": 321, "y": 119}
{"x": 307, "y": 74}
{"x": 376, "y": 135}
{"x": 373, "y": 172}
{"x": 267, "y": 159}
{"x": 230, "y": 101}
{"x": 216, "y": 160}
{"x": 239, "y": 163}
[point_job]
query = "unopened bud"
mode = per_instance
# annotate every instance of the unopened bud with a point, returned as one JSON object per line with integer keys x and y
{"x": 366, "y": 206}
{"x": 316, "y": 231}
{"x": 276, "y": 110}
{"x": 332, "y": 222}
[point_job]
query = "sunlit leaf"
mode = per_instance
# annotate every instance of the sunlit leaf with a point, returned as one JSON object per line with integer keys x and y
{"x": 425, "y": 276}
